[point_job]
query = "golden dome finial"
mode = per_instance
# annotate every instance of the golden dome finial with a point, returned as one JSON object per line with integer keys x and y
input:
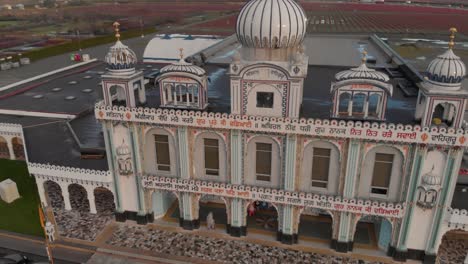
{"x": 364, "y": 56}
{"x": 116, "y": 29}
{"x": 451, "y": 43}
{"x": 181, "y": 53}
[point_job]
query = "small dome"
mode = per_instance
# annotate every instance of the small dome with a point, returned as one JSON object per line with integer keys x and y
{"x": 121, "y": 58}
{"x": 271, "y": 24}
{"x": 362, "y": 72}
{"x": 430, "y": 179}
{"x": 185, "y": 67}
{"x": 123, "y": 150}
{"x": 446, "y": 68}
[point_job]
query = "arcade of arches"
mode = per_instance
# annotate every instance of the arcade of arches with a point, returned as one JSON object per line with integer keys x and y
{"x": 12, "y": 148}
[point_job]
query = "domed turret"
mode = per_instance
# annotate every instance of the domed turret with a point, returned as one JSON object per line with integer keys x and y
{"x": 362, "y": 72}
{"x": 430, "y": 179}
{"x": 447, "y": 68}
{"x": 120, "y": 58}
{"x": 271, "y": 24}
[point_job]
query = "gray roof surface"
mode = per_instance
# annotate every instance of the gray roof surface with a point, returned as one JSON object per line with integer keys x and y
{"x": 60, "y": 142}
{"x": 50, "y": 141}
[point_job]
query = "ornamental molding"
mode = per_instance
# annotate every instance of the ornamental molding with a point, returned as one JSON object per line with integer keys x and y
{"x": 392, "y": 133}
{"x": 11, "y": 129}
{"x": 69, "y": 173}
{"x": 275, "y": 196}
{"x": 457, "y": 219}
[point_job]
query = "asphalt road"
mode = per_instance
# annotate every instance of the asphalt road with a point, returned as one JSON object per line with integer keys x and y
{"x": 34, "y": 248}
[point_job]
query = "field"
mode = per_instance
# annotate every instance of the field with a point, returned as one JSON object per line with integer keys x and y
{"x": 21, "y": 216}
{"x": 45, "y": 27}
{"x": 368, "y": 18}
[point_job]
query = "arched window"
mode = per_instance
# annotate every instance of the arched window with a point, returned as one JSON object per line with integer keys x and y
{"x": 263, "y": 162}
{"x": 160, "y": 152}
{"x": 118, "y": 96}
{"x": 210, "y": 157}
{"x": 381, "y": 173}
{"x": 444, "y": 114}
{"x": 168, "y": 93}
{"x": 321, "y": 167}
{"x": 344, "y": 104}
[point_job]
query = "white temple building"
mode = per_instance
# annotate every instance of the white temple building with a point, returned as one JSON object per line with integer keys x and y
{"x": 377, "y": 145}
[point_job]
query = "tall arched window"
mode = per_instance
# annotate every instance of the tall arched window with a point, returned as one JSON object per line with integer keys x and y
{"x": 263, "y": 162}
{"x": 160, "y": 152}
{"x": 373, "y": 110}
{"x": 210, "y": 157}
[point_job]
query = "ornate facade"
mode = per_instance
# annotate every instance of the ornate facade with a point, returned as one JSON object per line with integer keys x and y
{"x": 352, "y": 166}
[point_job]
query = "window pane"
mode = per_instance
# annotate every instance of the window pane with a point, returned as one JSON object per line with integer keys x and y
{"x": 211, "y": 156}
{"x": 382, "y": 172}
{"x": 265, "y": 100}
{"x": 320, "y": 167}
{"x": 263, "y": 161}
{"x": 162, "y": 152}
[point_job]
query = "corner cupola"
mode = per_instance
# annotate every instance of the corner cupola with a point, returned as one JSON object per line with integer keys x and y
{"x": 183, "y": 85}
{"x": 122, "y": 84}
{"x": 441, "y": 98}
{"x": 272, "y": 24}
{"x": 361, "y": 93}
{"x": 120, "y": 59}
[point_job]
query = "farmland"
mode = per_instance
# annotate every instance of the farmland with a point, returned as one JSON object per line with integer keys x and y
{"x": 62, "y": 24}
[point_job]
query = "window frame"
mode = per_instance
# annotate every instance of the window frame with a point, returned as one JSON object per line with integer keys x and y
{"x": 385, "y": 189}
{"x": 258, "y": 176}
{"x": 328, "y": 169}
{"x": 205, "y": 169}
{"x": 158, "y": 165}
{"x": 264, "y": 105}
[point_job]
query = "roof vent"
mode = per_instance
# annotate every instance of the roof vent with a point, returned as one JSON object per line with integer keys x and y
{"x": 69, "y": 98}
{"x": 88, "y": 77}
{"x": 39, "y": 96}
{"x": 87, "y": 90}
{"x": 101, "y": 72}
{"x": 149, "y": 66}
{"x": 72, "y": 82}
{"x": 57, "y": 89}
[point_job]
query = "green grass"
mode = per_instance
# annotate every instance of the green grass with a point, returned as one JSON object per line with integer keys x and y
{"x": 20, "y": 216}
{"x": 85, "y": 43}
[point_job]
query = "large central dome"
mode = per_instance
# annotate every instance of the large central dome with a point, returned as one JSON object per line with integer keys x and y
{"x": 271, "y": 24}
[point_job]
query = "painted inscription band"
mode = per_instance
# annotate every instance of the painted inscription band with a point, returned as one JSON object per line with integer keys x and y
{"x": 275, "y": 196}
{"x": 310, "y": 127}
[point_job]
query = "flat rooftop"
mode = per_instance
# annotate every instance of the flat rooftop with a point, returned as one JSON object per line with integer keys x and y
{"x": 74, "y": 92}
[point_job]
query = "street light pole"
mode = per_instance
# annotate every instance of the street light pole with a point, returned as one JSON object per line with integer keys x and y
{"x": 42, "y": 220}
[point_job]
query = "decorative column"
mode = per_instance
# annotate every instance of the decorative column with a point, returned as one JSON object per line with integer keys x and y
{"x": 399, "y": 252}
{"x": 142, "y": 216}
{"x": 344, "y": 241}
{"x": 366, "y": 106}
{"x": 187, "y": 220}
{"x": 66, "y": 196}
{"x": 286, "y": 234}
{"x": 446, "y": 194}
{"x": 119, "y": 212}
{"x": 10, "y": 149}
{"x": 350, "y": 106}
{"x": 92, "y": 200}
{"x": 238, "y": 225}
{"x": 41, "y": 190}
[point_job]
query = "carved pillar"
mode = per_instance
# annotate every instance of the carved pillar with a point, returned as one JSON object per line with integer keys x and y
{"x": 41, "y": 190}
{"x": 188, "y": 219}
{"x": 286, "y": 233}
{"x": 238, "y": 218}
{"x": 10, "y": 149}
{"x": 344, "y": 240}
{"x": 66, "y": 196}
{"x": 91, "y": 199}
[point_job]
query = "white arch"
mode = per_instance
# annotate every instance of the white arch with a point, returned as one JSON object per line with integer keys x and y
{"x": 307, "y": 166}
{"x": 250, "y": 177}
{"x": 149, "y": 147}
{"x": 199, "y": 156}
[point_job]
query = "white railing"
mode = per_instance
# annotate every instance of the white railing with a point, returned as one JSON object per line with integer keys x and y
{"x": 47, "y": 170}
{"x": 457, "y": 218}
